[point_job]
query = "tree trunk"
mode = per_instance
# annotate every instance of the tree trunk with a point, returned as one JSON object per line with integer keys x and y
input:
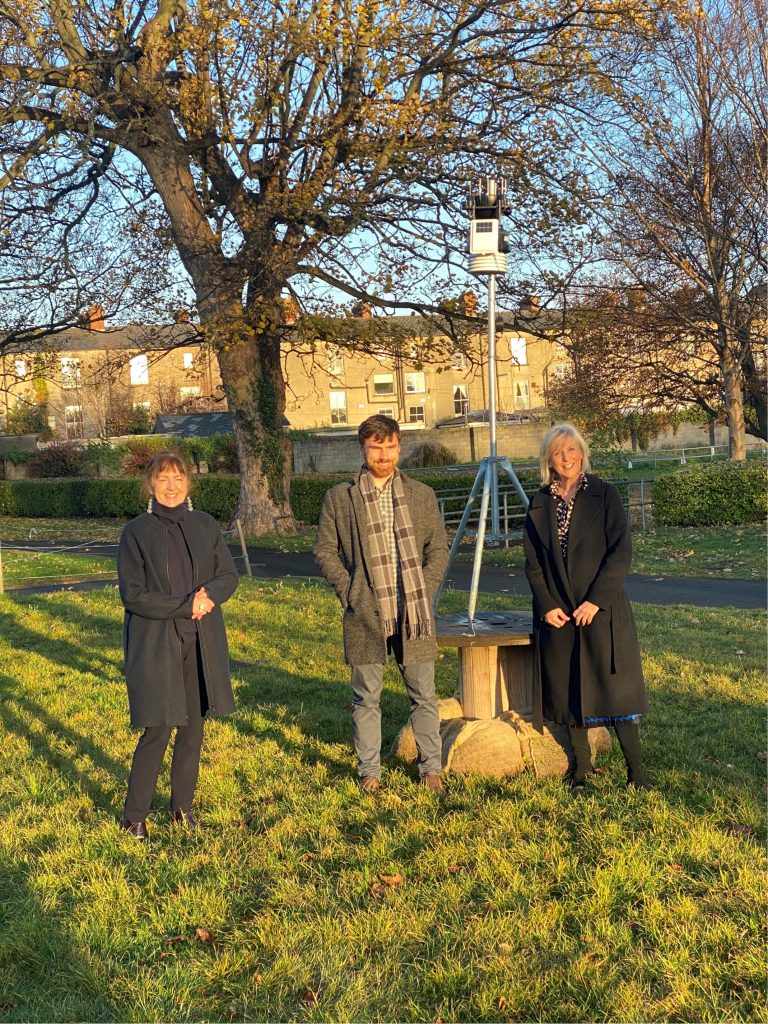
{"x": 253, "y": 382}
{"x": 734, "y": 405}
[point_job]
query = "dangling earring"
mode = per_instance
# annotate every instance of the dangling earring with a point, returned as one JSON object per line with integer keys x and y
{"x": 149, "y": 504}
{"x": 189, "y": 504}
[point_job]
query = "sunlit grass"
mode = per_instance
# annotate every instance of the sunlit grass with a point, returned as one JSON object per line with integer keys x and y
{"x": 516, "y": 902}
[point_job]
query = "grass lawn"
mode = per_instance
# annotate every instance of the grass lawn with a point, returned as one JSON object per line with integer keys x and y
{"x": 302, "y": 901}
{"x": 33, "y": 568}
{"x": 723, "y": 552}
{"x": 738, "y": 552}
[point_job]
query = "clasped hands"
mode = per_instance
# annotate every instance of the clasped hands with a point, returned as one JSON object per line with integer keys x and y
{"x": 582, "y": 615}
{"x": 201, "y": 604}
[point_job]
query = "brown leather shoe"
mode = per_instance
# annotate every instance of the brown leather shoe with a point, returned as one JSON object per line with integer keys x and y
{"x": 185, "y": 818}
{"x": 369, "y": 785}
{"x": 432, "y": 781}
{"x": 138, "y": 829}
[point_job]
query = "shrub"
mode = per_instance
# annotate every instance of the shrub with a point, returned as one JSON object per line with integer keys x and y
{"x": 216, "y": 495}
{"x": 139, "y": 453}
{"x": 58, "y": 460}
{"x": 712, "y": 495}
{"x": 126, "y": 497}
{"x": 429, "y": 454}
{"x": 308, "y": 491}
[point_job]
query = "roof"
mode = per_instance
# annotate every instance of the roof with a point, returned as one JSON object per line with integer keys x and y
{"x": 194, "y": 424}
{"x": 142, "y": 337}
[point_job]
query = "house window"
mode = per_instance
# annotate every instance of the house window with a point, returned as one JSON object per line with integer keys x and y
{"x": 193, "y": 391}
{"x": 141, "y": 406}
{"x": 522, "y": 394}
{"x": 388, "y": 410}
{"x": 73, "y": 419}
{"x": 383, "y": 384}
{"x": 335, "y": 362}
{"x": 460, "y": 400}
{"x": 416, "y": 414}
{"x": 139, "y": 370}
{"x": 518, "y": 347}
{"x": 414, "y": 384}
{"x": 20, "y": 368}
{"x": 70, "y": 373}
{"x": 459, "y": 360}
{"x": 188, "y": 360}
{"x": 338, "y": 400}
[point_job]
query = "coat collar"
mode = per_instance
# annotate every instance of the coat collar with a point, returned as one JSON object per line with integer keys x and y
{"x": 542, "y": 512}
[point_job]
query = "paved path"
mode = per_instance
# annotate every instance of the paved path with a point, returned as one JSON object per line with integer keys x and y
{"x": 666, "y": 590}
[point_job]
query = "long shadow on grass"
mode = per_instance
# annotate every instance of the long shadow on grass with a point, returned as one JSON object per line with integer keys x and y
{"x": 321, "y": 709}
{"x": 56, "y": 743}
{"x": 93, "y": 633}
{"x": 43, "y": 975}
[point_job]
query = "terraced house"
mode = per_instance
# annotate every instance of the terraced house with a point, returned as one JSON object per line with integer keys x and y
{"x": 97, "y": 381}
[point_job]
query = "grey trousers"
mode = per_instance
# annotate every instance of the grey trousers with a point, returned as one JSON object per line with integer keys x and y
{"x": 419, "y": 682}
{"x": 185, "y": 763}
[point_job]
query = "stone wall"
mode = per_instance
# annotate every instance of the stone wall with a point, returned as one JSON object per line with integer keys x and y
{"x": 340, "y": 453}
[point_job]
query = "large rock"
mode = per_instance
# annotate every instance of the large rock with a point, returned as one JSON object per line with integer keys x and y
{"x": 499, "y": 747}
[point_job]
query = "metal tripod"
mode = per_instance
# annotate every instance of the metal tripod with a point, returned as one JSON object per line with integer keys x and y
{"x": 487, "y": 475}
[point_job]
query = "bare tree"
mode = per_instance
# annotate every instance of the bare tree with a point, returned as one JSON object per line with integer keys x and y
{"x": 684, "y": 207}
{"x": 295, "y": 146}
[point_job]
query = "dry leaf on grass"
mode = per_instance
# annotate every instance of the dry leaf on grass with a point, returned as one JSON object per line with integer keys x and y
{"x": 391, "y": 880}
{"x": 309, "y": 996}
{"x": 174, "y": 938}
{"x": 203, "y": 935}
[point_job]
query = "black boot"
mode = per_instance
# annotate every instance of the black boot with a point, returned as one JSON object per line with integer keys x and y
{"x": 628, "y": 734}
{"x": 582, "y": 756}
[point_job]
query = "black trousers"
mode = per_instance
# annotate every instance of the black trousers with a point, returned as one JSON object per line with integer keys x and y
{"x": 185, "y": 764}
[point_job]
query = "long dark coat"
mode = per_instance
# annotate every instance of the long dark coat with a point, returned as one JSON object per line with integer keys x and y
{"x": 595, "y": 670}
{"x": 152, "y": 648}
{"x": 343, "y": 556}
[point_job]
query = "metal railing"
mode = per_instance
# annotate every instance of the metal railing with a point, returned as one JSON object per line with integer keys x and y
{"x": 452, "y": 502}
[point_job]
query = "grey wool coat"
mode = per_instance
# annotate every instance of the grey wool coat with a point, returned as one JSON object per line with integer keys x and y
{"x": 584, "y": 671}
{"x": 153, "y": 668}
{"x": 343, "y": 557}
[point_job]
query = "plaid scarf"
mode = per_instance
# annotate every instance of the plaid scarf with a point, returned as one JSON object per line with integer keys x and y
{"x": 418, "y": 613}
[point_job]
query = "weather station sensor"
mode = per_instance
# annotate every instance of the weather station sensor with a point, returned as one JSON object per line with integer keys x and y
{"x": 487, "y": 205}
{"x": 487, "y": 246}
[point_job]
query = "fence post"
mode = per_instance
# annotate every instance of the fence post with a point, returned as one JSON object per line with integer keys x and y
{"x": 243, "y": 548}
{"x": 642, "y": 506}
{"x": 2, "y": 584}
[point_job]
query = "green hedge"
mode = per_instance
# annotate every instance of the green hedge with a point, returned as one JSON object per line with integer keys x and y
{"x": 712, "y": 495}
{"x": 70, "y": 499}
{"x": 308, "y": 491}
{"x": 215, "y": 494}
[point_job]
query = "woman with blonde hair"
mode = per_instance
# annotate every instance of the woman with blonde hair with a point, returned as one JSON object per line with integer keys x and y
{"x": 577, "y": 555}
{"x": 174, "y": 573}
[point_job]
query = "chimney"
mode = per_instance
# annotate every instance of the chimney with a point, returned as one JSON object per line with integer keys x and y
{"x": 95, "y": 319}
{"x": 531, "y": 305}
{"x": 469, "y": 299}
{"x": 362, "y": 309}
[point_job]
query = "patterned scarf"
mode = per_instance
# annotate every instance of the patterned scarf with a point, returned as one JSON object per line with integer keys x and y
{"x": 418, "y": 613}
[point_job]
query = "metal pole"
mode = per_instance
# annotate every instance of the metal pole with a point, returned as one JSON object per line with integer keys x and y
{"x": 495, "y": 530}
{"x": 243, "y": 548}
{"x": 2, "y": 585}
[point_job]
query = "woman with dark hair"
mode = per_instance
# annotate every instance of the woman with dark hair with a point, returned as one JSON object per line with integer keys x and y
{"x": 577, "y": 555}
{"x": 174, "y": 572}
